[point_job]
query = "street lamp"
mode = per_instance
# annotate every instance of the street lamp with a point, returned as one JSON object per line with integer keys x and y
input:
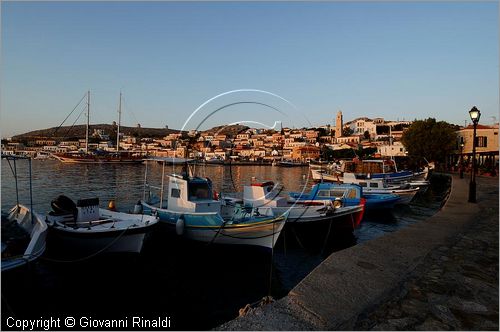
{"x": 462, "y": 160}
{"x": 475, "y": 114}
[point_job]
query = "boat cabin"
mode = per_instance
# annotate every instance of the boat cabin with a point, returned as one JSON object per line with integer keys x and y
{"x": 263, "y": 193}
{"x": 191, "y": 194}
{"x": 369, "y": 166}
{"x": 349, "y": 194}
{"x": 365, "y": 181}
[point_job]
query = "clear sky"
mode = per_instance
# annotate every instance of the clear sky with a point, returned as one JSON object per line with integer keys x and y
{"x": 393, "y": 60}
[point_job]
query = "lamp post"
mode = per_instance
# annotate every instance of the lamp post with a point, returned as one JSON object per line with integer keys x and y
{"x": 475, "y": 114}
{"x": 462, "y": 160}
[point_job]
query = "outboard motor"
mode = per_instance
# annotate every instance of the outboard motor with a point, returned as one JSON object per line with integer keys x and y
{"x": 63, "y": 205}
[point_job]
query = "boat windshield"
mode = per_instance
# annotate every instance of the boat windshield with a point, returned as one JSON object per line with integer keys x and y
{"x": 337, "y": 193}
{"x": 199, "y": 191}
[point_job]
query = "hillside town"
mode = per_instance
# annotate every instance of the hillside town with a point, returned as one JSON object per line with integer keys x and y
{"x": 245, "y": 144}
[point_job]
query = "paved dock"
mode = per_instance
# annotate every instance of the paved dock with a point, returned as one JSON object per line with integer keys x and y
{"x": 438, "y": 274}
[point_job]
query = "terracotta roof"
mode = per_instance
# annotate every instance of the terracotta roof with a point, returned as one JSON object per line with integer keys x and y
{"x": 479, "y": 126}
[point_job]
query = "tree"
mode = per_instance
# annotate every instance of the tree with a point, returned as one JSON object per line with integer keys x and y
{"x": 429, "y": 139}
{"x": 322, "y": 132}
{"x": 347, "y": 131}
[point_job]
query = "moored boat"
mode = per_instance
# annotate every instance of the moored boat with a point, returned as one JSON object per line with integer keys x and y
{"x": 291, "y": 163}
{"x": 349, "y": 194}
{"x": 380, "y": 186}
{"x": 94, "y": 157}
{"x": 99, "y": 156}
{"x": 312, "y": 223}
{"x": 265, "y": 194}
{"x": 24, "y": 231}
{"x": 85, "y": 228}
{"x": 192, "y": 210}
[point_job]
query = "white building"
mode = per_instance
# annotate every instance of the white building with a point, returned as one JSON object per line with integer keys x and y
{"x": 394, "y": 150}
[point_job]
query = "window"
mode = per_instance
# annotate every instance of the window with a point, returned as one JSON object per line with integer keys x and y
{"x": 373, "y": 185}
{"x": 362, "y": 184}
{"x": 482, "y": 141}
{"x": 336, "y": 193}
{"x": 323, "y": 193}
{"x": 199, "y": 191}
{"x": 351, "y": 194}
{"x": 175, "y": 192}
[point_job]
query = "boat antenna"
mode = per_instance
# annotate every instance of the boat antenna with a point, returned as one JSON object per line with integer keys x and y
{"x": 88, "y": 123}
{"x": 119, "y": 119}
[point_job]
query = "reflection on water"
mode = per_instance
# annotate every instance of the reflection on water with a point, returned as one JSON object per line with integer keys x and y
{"x": 198, "y": 286}
{"x": 125, "y": 183}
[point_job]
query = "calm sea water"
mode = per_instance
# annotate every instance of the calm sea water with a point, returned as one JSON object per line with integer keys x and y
{"x": 197, "y": 286}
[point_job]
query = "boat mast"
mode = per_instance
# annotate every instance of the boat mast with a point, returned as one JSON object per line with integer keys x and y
{"x": 88, "y": 123}
{"x": 119, "y": 119}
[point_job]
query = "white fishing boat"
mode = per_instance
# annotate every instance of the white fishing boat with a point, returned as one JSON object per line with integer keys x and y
{"x": 325, "y": 175}
{"x": 20, "y": 249}
{"x": 23, "y": 230}
{"x": 190, "y": 208}
{"x": 84, "y": 227}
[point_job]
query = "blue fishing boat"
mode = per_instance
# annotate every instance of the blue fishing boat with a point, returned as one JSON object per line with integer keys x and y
{"x": 347, "y": 195}
{"x": 311, "y": 224}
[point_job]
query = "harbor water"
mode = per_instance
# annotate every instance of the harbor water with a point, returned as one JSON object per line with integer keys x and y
{"x": 196, "y": 286}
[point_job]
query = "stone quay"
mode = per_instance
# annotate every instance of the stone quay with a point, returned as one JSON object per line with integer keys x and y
{"x": 438, "y": 274}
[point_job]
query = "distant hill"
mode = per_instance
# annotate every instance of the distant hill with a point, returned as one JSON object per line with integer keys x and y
{"x": 79, "y": 131}
{"x": 231, "y": 130}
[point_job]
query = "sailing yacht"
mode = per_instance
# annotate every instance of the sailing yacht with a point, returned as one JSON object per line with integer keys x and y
{"x": 101, "y": 156}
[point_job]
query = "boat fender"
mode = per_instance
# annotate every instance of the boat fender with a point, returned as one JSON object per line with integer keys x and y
{"x": 216, "y": 195}
{"x": 179, "y": 226}
{"x": 138, "y": 208}
{"x": 111, "y": 205}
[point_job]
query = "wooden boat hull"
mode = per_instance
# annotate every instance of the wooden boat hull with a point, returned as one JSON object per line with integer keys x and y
{"x": 381, "y": 201}
{"x": 95, "y": 159}
{"x": 264, "y": 235}
{"x": 208, "y": 228}
{"x": 322, "y": 233}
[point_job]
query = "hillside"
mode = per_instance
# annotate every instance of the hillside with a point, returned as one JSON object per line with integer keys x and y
{"x": 231, "y": 130}
{"x": 79, "y": 131}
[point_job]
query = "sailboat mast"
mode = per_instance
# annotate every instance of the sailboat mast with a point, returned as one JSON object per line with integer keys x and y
{"x": 88, "y": 123}
{"x": 119, "y": 119}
